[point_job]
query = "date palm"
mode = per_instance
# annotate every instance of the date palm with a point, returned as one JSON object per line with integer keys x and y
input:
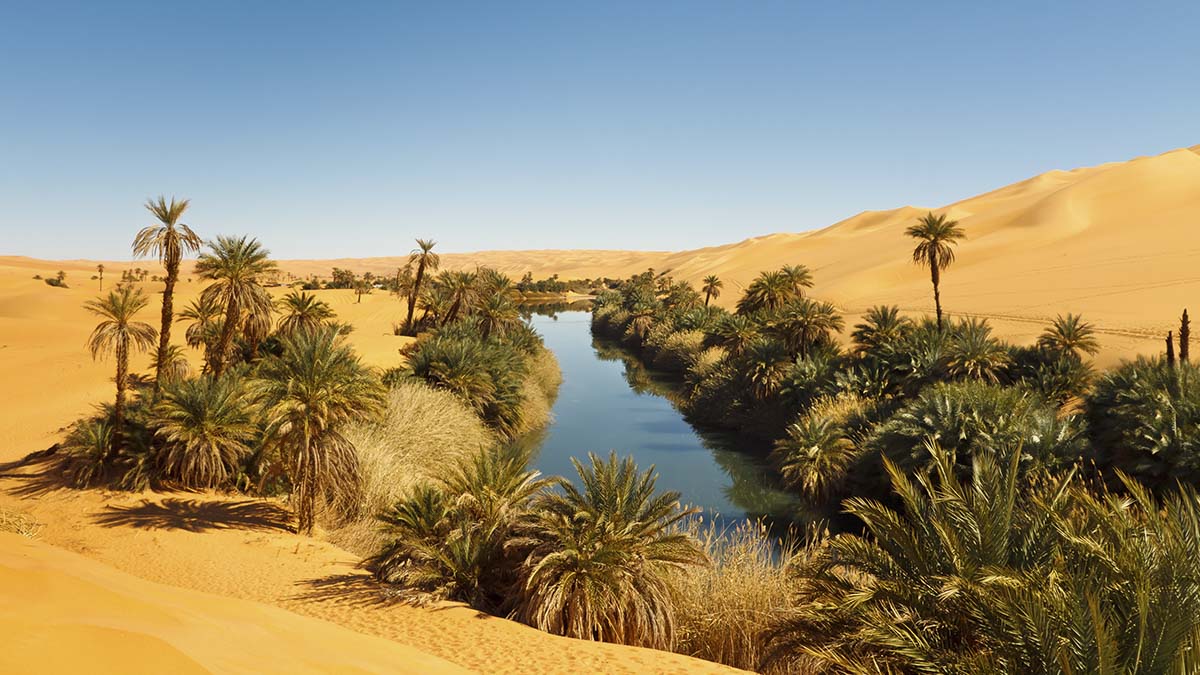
{"x": 168, "y": 240}
{"x": 426, "y": 261}
{"x": 496, "y": 315}
{"x": 100, "y": 271}
{"x": 461, "y": 288}
{"x": 118, "y": 333}
{"x": 802, "y": 323}
{"x": 1071, "y": 336}
{"x": 799, "y": 276}
{"x": 936, "y": 236}
{"x": 302, "y": 311}
{"x": 882, "y": 327}
{"x": 973, "y": 352}
{"x": 309, "y": 393}
{"x": 711, "y": 288}
{"x": 769, "y": 292}
{"x": 608, "y": 552}
{"x": 204, "y": 313}
{"x": 733, "y": 333}
{"x": 206, "y": 426}
{"x": 234, "y": 266}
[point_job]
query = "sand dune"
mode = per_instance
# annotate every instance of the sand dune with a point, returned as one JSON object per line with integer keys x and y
{"x": 65, "y": 613}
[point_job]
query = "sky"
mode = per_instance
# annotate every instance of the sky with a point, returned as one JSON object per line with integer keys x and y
{"x": 347, "y": 129}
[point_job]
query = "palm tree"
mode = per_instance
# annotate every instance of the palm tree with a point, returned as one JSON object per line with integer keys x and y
{"x": 1070, "y": 336}
{"x": 302, "y": 311}
{"x": 799, "y": 276}
{"x": 936, "y": 236}
{"x": 172, "y": 365}
{"x": 974, "y": 353}
{"x": 802, "y": 323}
{"x": 205, "y": 314}
{"x": 733, "y": 333}
{"x": 461, "y": 288}
{"x": 206, "y": 426}
{"x": 235, "y": 266}
{"x": 361, "y": 288}
{"x": 168, "y": 241}
{"x": 425, "y": 260}
{"x": 814, "y": 457}
{"x": 309, "y": 394}
{"x": 766, "y": 363}
{"x": 711, "y": 288}
{"x": 100, "y": 271}
{"x": 768, "y": 292}
{"x": 497, "y": 315}
{"x": 608, "y": 552}
{"x": 118, "y": 333}
{"x": 882, "y": 327}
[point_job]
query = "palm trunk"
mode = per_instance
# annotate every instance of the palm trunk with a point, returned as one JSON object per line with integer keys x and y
{"x": 937, "y": 295}
{"x": 164, "y": 333}
{"x": 304, "y": 487}
{"x": 412, "y": 299}
{"x": 119, "y": 404}
{"x": 231, "y": 313}
{"x": 707, "y": 295}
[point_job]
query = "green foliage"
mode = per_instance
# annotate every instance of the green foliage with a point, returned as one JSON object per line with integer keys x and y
{"x": 606, "y": 552}
{"x": 1144, "y": 419}
{"x": 207, "y": 428}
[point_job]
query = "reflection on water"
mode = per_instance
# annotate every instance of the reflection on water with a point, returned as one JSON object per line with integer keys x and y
{"x": 610, "y": 401}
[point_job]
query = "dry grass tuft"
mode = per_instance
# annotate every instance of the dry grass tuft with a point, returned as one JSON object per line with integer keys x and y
{"x": 422, "y": 431}
{"x": 17, "y": 523}
{"x": 725, "y": 610}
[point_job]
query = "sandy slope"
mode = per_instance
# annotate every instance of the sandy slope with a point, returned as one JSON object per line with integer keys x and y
{"x": 243, "y": 551}
{"x": 66, "y": 613}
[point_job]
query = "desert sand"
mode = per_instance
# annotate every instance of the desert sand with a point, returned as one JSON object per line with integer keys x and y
{"x": 1115, "y": 242}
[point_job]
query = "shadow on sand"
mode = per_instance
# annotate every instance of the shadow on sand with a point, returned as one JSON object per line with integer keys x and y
{"x": 194, "y": 515}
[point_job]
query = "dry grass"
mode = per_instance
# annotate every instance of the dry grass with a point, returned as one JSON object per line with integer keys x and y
{"x": 10, "y": 521}
{"x": 725, "y": 610}
{"x": 422, "y": 431}
{"x": 539, "y": 391}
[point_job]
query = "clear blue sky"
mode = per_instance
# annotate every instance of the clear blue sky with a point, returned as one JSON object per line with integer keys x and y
{"x": 345, "y": 129}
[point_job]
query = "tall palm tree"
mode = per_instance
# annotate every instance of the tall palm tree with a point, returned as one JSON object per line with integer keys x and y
{"x": 1071, "y": 336}
{"x": 302, "y": 311}
{"x": 608, "y": 551}
{"x": 118, "y": 334}
{"x": 425, "y": 260}
{"x": 711, "y": 288}
{"x": 206, "y": 426}
{"x": 309, "y": 394}
{"x": 936, "y": 236}
{"x": 168, "y": 240}
{"x": 234, "y": 265}
{"x": 100, "y": 271}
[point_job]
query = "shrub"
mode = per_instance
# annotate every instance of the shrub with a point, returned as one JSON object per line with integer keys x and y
{"x": 1144, "y": 419}
{"x": 679, "y": 351}
{"x": 206, "y": 426}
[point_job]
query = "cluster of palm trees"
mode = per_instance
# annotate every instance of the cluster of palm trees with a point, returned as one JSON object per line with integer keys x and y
{"x": 595, "y": 560}
{"x": 252, "y": 416}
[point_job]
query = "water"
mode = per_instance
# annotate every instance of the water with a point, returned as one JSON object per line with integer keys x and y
{"x": 609, "y": 401}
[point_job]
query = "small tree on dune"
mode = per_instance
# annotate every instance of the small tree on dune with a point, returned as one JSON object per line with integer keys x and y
{"x": 118, "y": 334}
{"x": 936, "y": 236}
{"x": 167, "y": 240}
{"x": 100, "y": 271}
{"x": 711, "y": 288}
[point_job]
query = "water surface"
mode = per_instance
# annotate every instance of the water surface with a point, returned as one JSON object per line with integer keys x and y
{"x": 609, "y": 401}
